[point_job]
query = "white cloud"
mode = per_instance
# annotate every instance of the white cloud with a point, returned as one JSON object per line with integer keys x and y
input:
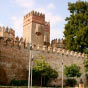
{"x": 53, "y": 19}
{"x": 25, "y": 3}
{"x": 50, "y": 17}
{"x": 56, "y": 33}
{"x": 51, "y": 6}
{"x": 17, "y": 25}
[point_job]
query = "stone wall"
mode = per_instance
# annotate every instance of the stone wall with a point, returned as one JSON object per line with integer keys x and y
{"x": 13, "y": 64}
{"x": 14, "y": 61}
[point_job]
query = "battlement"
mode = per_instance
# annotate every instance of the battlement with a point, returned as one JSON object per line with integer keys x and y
{"x": 16, "y": 43}
{"x": 19, "y": 43}
{"x": 59, "y": 43}
{"x": 59, "y": 51}
{"x": 34, "y": 13}
{"x": 7, "y": 32}
{"x": 6, "y": 29}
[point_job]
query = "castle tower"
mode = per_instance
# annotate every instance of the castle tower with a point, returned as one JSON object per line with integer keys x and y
{"x": 36, "y": 29}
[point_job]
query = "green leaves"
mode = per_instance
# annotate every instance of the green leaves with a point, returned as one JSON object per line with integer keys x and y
{"x": 86, "y": 65}
{"x": 76, "y": 29}
{"x": 72, "y": 71}
{"x": 43, "y": 69}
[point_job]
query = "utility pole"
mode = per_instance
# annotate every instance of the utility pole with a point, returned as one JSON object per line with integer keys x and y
{"x": 30, "y": 54}
{"x": 62, "y": 70}
{"x": 31, "y": 69}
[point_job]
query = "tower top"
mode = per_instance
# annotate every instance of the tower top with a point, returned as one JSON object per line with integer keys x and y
{"x": 34, "y": 13}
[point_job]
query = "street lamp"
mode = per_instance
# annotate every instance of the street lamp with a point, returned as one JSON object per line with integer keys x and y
{"x": 31, "y": 69}
{"x": 30, "y": 56}
{"x": 62, "y": 70}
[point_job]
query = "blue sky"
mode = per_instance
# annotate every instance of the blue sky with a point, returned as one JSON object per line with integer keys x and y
{"x": 12, "y": 12}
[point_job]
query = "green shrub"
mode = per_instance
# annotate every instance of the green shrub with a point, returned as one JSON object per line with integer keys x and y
{"x": 43, "y": 72}
{"x": 19, "y": 82}
{"x": 71, "y": 82}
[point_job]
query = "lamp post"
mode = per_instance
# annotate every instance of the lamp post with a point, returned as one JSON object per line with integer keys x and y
{"x": 30, "y": 48}
{"x": 62, "y": 70}
{"x": 31, "y": 69}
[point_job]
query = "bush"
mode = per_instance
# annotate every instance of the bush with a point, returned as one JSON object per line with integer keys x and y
{"x": 19, "y": 82}
{"x": 71, "y": 82}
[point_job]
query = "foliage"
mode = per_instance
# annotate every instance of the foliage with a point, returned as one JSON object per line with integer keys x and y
{"x": 19, "y": 82}
{"x": 72, "y": 71}
{"x": 86, "y": 65}
{"x": 76, "y": 29}
{"x": 71, "y": 82}
{"x": 43, "y": 70}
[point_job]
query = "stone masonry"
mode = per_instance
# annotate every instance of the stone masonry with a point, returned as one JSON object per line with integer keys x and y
{"x": 14, "y": 52}
{"x": 36, "y": 29}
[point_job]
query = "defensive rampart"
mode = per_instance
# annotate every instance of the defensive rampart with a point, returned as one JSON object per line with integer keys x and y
{"x": 14, "y": 58}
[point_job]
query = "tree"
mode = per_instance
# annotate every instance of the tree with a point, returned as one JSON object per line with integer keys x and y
{"x": 86, "y": 66}
{"x": 76, "y": 28}
{"x": 72, "y": 71}
{"x": 43, "y": 71}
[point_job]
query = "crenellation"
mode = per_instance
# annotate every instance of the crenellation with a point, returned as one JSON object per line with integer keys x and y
{"x": 7, "y": 32}
{"x": 7, "y": 29}
{"x": 44, "y": 48}
{"x": 34, "y": 13}
{"x": 76, "y": 53}
{"x": 27, "y": 45}
{"x": 71, "y": 53}
{"x": 16, "y": 44}
{"x": 19, "y": 43}
{"x": 79, "y": 54}
{"x": 59, "y": 43}
{"x": 0, "y": 28}
{"x": 38, "y": 47}
{"x": 17, "y": 38}
{"x": 54, "y": 50}
{"x": 58, "y": 50}
{"x": 3, "y": 29}
{"x": 49, "y": 49}
{"x": 22, "y": 45}
{"x": 67, "y": 52}
{"x": 83, "y": 55}
{"x": 63, "y": 51}
{"x": 21, "y": 39}
{"x": 11, "y": 31}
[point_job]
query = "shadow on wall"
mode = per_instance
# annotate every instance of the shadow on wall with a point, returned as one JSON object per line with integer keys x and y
{"x": 3, "y": 76}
